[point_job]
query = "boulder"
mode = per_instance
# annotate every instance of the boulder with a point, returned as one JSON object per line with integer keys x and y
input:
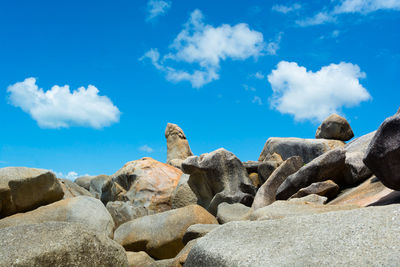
{"x": 183, "y": 195}
{"x": 160, "y": 235}
{"x": 251, "y": 166}
{"x": 361, "y": 237}
{"x": 313, "y": 198}
{"x": 218, "y": 177}
{"x": 232, "y": 212}
{"x": 197, "y": 230}
{"x": 86, "y": 210}
{"x": 139, "y": 259}
{"x": 327, "y": 188}
{"x": 335, "y": 127}
{"x": 123, "y": 212}
{"x": 71, "y": 189}
{"x": 266, "y": 168}
{"x": 102, "y": 187}
{"x": 307, "y": 149}
{"x": 23, "y": 189}
{"x": 267, "y": 192}
{"x": 383, "y": 154}
{"x": 58, "y": 244}
{"x": 255, "y": 180}
{"x": 177, "y": 145}
{"x": 180, "y": 259}
{"x": 328, "y": 166}
{"x": 84, "y": 181}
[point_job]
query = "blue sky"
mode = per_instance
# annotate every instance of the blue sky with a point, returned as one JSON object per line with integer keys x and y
{"x": 230, "y": 74}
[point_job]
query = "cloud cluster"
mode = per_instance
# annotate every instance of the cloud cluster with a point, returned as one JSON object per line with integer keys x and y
{"x": 156, "y": 8}
{"x": 315, "y": 95}
{"x": 146, "y": 148}
{"x": 205, "y": 46}
{"x": 59, "y": 107}
{"x": 286, "y": 9}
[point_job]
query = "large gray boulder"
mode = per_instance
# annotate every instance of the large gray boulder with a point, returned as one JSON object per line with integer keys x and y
{"x": 178, "y": 148}
{"x": 383, "y": 154}
{"x": 218, "y": 177}
{"x": 335, "y": 127}
{"x": 124, "y": 211}
{"x": 23, "y": 189}
{"x": 84, "y": 181}
{"x": 328, "y": 166}
{"x": 361, "y": 237}
{"x": 267, "y": 192}
{"x": 183, "y": 195}
{"x": 58, "y": 244}
{"x": 307, "y": 149}
{"x": 86, "y": 210}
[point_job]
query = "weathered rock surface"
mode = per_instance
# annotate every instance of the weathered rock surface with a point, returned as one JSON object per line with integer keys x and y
{"x": 307, "y": 149}
{"x": 328, "y": 166}
{"x": 177, "y": 145}
{"x": 71, "y": 189}
{"x": 327, "y": 188}
{"x": 383, "y": 154}
{"x": 23, "y": 189}
{"x": 255, "y": 179}
{"x": 196, "y": 231}
{"x": 123, "y": 212}
{"x": 362, "y": 237}
{"x": 267, "y": 192}
{"x": 218, "y": 177}
{"x": 160, "y": 235}
{"x": 232, "y": 212}
{"x": 251, "y": 166}
{"x": 58, "y": 244}
{"x": 335, "y": 127}
{"x": 139, "y": 259}
{"x": 84, "y": 181}
{"x": 313, "y": 198}
{"x": 86, "y": 210}
{"x": 183, "y": 195}
{"x": 266, "y": 168}
{"x": 102, "y": 187}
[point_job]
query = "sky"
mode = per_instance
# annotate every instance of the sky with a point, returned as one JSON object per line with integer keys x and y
{"x": 86, "y": 86}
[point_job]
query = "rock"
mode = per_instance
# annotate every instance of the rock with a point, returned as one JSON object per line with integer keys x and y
{"x": 327, "y": 188}
{"x": 23, "y": 189}
{"x": 180, "y": 259}
{"x": 183, "y": 195}
{"x": 313, "y": 198}
{"x": 72, "y": 190}
{"x": 139, "y": 259}
{"x": 265, "y": 169}
{"x": 218, "y": 177}
{"x": 86, "y": 210}
{"x": 123, "y": 212}
{"x": 282, "y": 209}
{"x": 370, "y": 193}
{"x": 307, "y": 149}
{"x": 160, "y": 235}
{"x": 232, "y": 212}
{"x": 196, "y": 231}
{"x": 383, "y": 154}
{"x": 361, "y": 237}
{"x": 251, "y": 166}
{"x": 356, "y": 171}
{"x": 267, "y": 192}
{"x": 177, "y": 144}
{"x": 100, "y": 184}
{"x": 148, "y": 183}
{"x": 58, "y": 244}
{"x": 84, "y": 181}
{"x": 335, "y": 127}
{"x": 255, "y": 181}
{"x": 328, "y": 166}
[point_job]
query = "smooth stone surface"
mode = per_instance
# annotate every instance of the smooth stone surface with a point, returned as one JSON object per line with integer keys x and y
{"x": 58, "y": 244}
{"x": 197, "y": 230}
{"x": 313, "y": 198}
{"x": 335, "y": 127}
{"x": 123, "y": 212}
{"x": 232, "y": 212}
{"x": 183, "y": 195}
{"x": 139, "y": 259}
{"x": 177, "y": 145}
{"x": 327, "y": 188}
{"x": 71, "y": 189}
{"x": 84, "y": 181}
{"x": 361, "y": 237}
{"x": 307, "y": 149}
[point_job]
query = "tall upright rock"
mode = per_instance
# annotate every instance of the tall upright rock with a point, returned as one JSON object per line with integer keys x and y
{"x": 177, "y": 145}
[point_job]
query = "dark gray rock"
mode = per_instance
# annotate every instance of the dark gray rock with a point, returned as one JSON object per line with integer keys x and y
{"x": 197, "y": 230}
{"x": 251, "y": 166}
{"x": 383, "y": 154}
{"x": 327, "y": 188}
{"x": 266, "y": 168}
{"x": 218, "y": 177}
{"x": 232, "y": 212}
{"x": 328, "y": 166}
{"x": 335, "y": 127}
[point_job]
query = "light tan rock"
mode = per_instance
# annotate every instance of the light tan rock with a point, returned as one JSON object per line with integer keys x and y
{"x": 177, "y": 145}
{"x": 232, "y": 212}
{"x": 183, "y": 195}
{"x": 71, "y": 189}
{"x": 139, "y": 259}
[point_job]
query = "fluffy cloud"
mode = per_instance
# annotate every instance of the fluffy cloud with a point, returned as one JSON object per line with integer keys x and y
{"x": 146, "y": 148}
{"x": 317, "y": 19}
{"x": 70, "y": 175}
{"x": 59, "y": 107}
{"x": 286, "y": 9}
{"x": 205, "y": 46}
{"x": 156, "y": 8}
{"x": 315, "y": 95}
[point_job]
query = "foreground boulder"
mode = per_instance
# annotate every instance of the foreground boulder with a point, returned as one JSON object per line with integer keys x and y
{"x": 335, "y": 127}
{"x": 160, "y": 235}
{"x": 383, "y": 154}
{"x": 23, "y": 189}
{"x": 361, "y": 237}
{"x": 327, "y": 188}
{"x": 307, "y": 149}
{"x": 58, "y": 244}
{"x": 218, "y": 177}
{"x": 86, "y": 210}
{"x": 183, "y": 195}
{"x": 177, "y": 145}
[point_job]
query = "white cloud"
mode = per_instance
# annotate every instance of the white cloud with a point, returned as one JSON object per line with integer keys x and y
{"x": 70, "y": 175}
{"x": 59, "y": 107}
{"x": 286, "y": 9}
{"x": 366, "y": 6}
{"x": 315, "y": 95}
{"x": 249, "y": 88}
{"x": 273, "y": 46}
{"x": 205, "y": 46}
{"x": 317, "y": 19}
{"x": 146, "y": 148}
{"x": 257, "y": 100}
{"x": 156, "y": 8}
{"x": 259, "y": 75}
